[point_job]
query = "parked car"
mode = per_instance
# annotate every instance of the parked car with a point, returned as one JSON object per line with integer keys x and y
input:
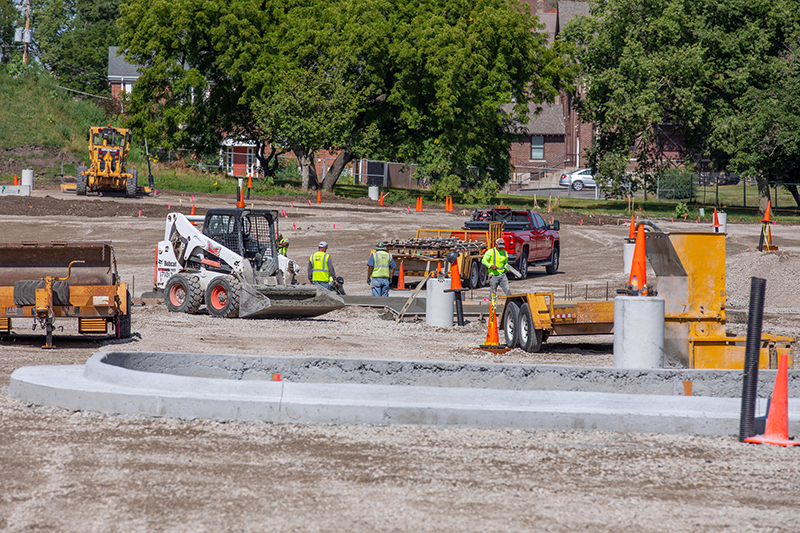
{"x": 530, "y": 241}
{"x": 578, "y": 180}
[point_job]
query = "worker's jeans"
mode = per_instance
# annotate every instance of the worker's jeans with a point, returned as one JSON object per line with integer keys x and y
{"x": 323, "y": 284}
{"x": 380, "y": 286}
{"x": 502, "y": 281}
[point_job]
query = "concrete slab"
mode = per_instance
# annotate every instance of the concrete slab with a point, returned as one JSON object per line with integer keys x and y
{"x": 15, "y": 190}
{"x": 229, "y": 387}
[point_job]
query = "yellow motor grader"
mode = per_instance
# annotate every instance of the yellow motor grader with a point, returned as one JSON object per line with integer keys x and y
{"x": 108, "y": 149}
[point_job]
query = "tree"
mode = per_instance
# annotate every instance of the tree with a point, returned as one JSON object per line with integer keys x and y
{"x": 697, "y": 66}
{"x": 9, "y": 19}
{"x": 421, "y": 81}
{"x": 72, "y": 39}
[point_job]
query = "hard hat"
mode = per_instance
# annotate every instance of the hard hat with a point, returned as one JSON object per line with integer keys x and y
{"x": 500, "y": 242}
{"x": 380, "y": 246}
{"x": 323, "y": 244}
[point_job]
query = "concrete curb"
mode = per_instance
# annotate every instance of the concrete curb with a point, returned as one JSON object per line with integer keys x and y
{"x": 105, "y": 384}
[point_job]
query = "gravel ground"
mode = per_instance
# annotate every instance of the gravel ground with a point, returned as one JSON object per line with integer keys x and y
{"x": 64, "y": 470}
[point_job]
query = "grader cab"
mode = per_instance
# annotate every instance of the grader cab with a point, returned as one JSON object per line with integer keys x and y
{"x": 108, "y": 149}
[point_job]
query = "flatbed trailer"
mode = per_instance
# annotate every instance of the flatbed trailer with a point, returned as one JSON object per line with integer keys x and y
{"x": 529, "y": 319}
{"x": 430, "y": 248}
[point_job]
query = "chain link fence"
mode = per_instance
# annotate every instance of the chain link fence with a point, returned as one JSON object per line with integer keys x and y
{"x": 714, "y": 189}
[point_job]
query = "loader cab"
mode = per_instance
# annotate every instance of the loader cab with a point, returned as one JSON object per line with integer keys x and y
{"x": 247, "y": 232}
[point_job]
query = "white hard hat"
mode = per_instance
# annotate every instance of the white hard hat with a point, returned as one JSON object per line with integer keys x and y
{"x": 323, "y": 244}
{"x": 500, "y": 242}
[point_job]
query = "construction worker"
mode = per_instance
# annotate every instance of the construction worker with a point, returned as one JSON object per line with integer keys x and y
{"x": 380, "y": 270}
{"x": 496, "y": 260}
{"x": 283, "y": 244}
{"x": 320, "y": 267}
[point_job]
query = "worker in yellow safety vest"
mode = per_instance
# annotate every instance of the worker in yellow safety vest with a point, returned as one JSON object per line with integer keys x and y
{"x": 283, "y": 244}
{"x": 496, "y": 260}
{"x": 380, "y": 270}
{"x": 320, "y": 267}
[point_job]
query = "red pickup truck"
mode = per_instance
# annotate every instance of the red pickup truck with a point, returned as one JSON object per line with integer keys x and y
{"x": 529, "y": 239}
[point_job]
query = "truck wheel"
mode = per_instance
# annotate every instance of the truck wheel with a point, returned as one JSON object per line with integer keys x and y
{"x": 552, "y": 268}
{"x": 474, "y": 280}
{"x": 131, "y": 185}
{"x": 222, "y": 297}
{"x": 484, "y": 275}
{"x": 124, "y": 321}
{"x": 522, "y": 264}
{"x": 511, "y": 324}
{"x": 530, "y": 339}
{"x": 183, "y": 294}
{"x": 81, "y": 181}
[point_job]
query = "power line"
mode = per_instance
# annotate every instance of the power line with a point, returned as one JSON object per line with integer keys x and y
{"x": 81, "y": 92}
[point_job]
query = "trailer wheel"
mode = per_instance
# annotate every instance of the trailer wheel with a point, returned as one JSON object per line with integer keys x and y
{"x": 124, "y": 321}
{"x": 131, "y": 184}
{"x": 511, "y": 324}
{"x": 222, "y": 297}
{"x": 552, "y": 268}
{"x": 530, "y": 339}
{"x": 484, "y": 275}
{"x": 183, "y": 294}
{"x": 81, "y": 181}
{"x": 474, "y": 280}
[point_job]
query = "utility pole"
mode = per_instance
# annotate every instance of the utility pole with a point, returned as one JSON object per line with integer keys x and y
{"x": 27, "y": 32}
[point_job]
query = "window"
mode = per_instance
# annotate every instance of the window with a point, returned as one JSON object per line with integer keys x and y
{"x": 229, "y": 160}
{"x": 252, "y": 163}
{"x": 537, "y": 146}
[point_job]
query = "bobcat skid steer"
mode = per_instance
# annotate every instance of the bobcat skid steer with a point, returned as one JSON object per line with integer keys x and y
{"x": 233, "y": 267}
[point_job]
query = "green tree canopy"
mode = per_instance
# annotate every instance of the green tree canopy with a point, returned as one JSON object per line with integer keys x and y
{"x": 73, "y": 36}
{"x": 706, "y": 67}
{"x": 9, "y": 20}
{"x": 421, "y": 81}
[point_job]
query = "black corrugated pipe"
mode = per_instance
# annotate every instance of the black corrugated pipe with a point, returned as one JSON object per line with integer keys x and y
{"x": 751, "y": 355}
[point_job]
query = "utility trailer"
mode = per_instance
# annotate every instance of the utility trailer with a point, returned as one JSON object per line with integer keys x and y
{"x": 44, "y": 281}
{"x": 529, "y": 319}
{"x": 429, "y": 251}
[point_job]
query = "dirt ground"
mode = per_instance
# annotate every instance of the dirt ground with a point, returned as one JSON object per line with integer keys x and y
{"x": 63, "y": 470}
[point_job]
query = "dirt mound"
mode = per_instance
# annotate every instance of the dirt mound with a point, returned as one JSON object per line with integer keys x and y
{"x": 45, "y": 162}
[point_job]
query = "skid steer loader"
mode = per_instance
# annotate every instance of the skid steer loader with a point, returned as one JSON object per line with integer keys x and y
{"x": 44, "y": 281}
{"x": 108, "y": 150}
{"x": 233, "y": 267}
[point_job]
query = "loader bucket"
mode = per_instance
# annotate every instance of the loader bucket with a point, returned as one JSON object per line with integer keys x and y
{"x": 286, "y": 301}
{"x": 34, "y": 260}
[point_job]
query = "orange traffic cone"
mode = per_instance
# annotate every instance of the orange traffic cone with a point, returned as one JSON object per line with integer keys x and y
{"x": 401, "y": 283}
{"x": 381, "y": 202}
{"x": 319, "y": 197}
{"x": 249, "y": 181}
{"x": 448, "y": 206}
{"x": 438, "y": 269}
{"x": 777, "y": 429}
{"x": 766, "y": 220}
{"x": 632, "y": 231}
{"x": 638, "y": 277}
{"x": 192, "y": 213}
{"x": 15, "y": 180}
{"x": 717, "y": 225}
{"x": 240, "y": 194}
{"x": 455, "y": 277}
{"x": 419, "y": 203}
{"x": 492, "y": 337}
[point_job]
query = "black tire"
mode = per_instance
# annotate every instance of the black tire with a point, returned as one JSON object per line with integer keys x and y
{"x": 522, "y": 264}
{"x": 511, "y": 324}
{"x": 183, "y": 294}
{"x": 474, "y": 280}
{"x": 577, "y": 185}
{"x": 552, "y": 268}
{"x": 530, "y": 339}
{"x": 81, "y": 181}
{"x": 222, "y": 297}
{"x": 131, "y": 184}
{"x": 484, "y": 275}
{"x": 124, "y": 320}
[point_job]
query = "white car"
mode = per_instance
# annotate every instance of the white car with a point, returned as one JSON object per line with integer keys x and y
{"x": 578, "y": 180}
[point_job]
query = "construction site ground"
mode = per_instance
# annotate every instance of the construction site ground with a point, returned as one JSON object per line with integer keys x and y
{"x": 63, "y": 470}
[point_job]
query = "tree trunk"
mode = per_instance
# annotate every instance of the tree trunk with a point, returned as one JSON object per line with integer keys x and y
{"x": 308, "y": 168}
{"x": 269, "y": 163}
{"x": 792, "y": 187}
{"x": 763, "y": 193}
{"x": 335, "y": 169}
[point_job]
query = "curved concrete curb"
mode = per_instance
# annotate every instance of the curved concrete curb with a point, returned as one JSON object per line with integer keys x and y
{"x": 108, "y": 384}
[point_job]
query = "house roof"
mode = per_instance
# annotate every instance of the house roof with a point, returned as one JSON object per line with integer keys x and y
{"x": 550, "y": 21}
{"x": 549, "y": 122}
{"x": 118, "y": 68}
{"x": 568, "y": 11}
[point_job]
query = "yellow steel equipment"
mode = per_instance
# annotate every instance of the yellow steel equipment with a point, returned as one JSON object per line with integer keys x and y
{"x": 691, "y": 279}
{"x": 430, "y": 248}
{"x": 108, "y": 150}
{"x": 33, "y": 285}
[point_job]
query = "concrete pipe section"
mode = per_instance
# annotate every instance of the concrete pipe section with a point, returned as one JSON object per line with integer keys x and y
{"x": 400, "y": 392}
